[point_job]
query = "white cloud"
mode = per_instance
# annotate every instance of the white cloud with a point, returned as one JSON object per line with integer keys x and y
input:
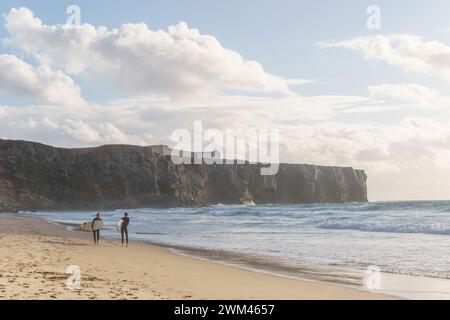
{"x": 177, "y": 62}
{"x": 410, "y": 93}
{"x": 410, "y": 143}
{"x": 17, "y": 78}
{"x": 81, "y": 131}
{"x": 370, "y": 109}
{"x": 98, "y": 133}
{"x": 298, "y": 82}
{"x": 411, "y": 53}
{"x": 49, "y": 123}
{"x": 3, "y": 112}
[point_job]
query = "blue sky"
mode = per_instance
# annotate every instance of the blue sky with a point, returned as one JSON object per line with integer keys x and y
{"x": 281, "y": 36}
{"x": 378, "y": 99}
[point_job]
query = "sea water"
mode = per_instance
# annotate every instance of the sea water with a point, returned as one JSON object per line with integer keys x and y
{"x": 408, "y": 242}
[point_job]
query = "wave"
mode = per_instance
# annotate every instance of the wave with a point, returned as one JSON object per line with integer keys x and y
{"x": 423, "y": 229}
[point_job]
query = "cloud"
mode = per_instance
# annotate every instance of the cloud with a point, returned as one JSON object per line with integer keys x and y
{"x": 410, "y": 53}
{"x": 370, "y": 109}
{"x": 412, "y": 143}
{"x": 99, "y": 133}
{"x": 49, "y": 123}
{"x": 3, "y": 112}
{"x": 81, "y": 131}
{"x": 178, "y": 62}
{"x": 410, "y": 93}
{"x": 298, "y": 82}
{"x": 17, "y": 78}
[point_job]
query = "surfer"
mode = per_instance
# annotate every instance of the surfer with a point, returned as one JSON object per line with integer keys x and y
{"x": 95, "y": 229}
{"x": 124, "y": 227}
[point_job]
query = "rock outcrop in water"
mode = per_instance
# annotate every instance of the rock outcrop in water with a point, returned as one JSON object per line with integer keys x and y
{"x": 34, "y": 176}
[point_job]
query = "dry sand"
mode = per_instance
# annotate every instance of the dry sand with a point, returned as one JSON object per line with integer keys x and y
{"x": 35, "y": 254}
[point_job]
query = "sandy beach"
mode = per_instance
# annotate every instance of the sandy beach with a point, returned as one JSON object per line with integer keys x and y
{"x": 35, "y": 255}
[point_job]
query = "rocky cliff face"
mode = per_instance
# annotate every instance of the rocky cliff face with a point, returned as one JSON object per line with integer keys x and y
{"x": 34, "y": 176}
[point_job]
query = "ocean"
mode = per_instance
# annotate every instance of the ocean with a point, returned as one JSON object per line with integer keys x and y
{"x": 408, "y": 242}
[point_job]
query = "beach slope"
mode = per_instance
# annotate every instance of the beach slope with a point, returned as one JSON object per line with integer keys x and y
{"x": 35, "y": 255}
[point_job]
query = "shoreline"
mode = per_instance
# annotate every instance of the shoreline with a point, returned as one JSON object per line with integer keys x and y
{"x": 344, "y": 277}
{"x": 396, "y": 285}
{"x": 259, "y": 264}
{"x": 263, "y": 265}
{"x": 38, "y": 252}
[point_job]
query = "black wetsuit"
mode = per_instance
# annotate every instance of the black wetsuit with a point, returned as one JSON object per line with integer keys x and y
{"x": 96, "y": 232}
{"x": 124, "y": 228}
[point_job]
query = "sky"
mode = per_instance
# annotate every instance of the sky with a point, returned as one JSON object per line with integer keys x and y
{"x": 339, "y": 93}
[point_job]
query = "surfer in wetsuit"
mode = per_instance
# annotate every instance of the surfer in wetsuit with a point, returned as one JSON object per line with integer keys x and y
{"x": 97, "y": 231}
{"x": 124, "y": 227}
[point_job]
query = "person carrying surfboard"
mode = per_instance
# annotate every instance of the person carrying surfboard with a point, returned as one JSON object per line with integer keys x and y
{"x": 123, "y": 224}
{"x": 96, "y": 223}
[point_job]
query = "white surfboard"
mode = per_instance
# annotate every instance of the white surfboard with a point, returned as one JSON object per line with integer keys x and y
{"x": 119, "y": 225}
{"x": 98, "y": 224}
{"x": 87, "y": 226}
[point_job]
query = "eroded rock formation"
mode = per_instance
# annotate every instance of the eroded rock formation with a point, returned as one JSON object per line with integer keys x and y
{"x": 34, "y": 176}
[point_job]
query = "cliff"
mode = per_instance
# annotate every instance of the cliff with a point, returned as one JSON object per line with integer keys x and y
{"x": 34, "y": 176}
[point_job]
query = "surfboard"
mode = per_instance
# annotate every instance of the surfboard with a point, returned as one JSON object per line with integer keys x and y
{"x": 98, "y": 224}
{"x": 87, "y": 226}
{"x": 119, "y": 225}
